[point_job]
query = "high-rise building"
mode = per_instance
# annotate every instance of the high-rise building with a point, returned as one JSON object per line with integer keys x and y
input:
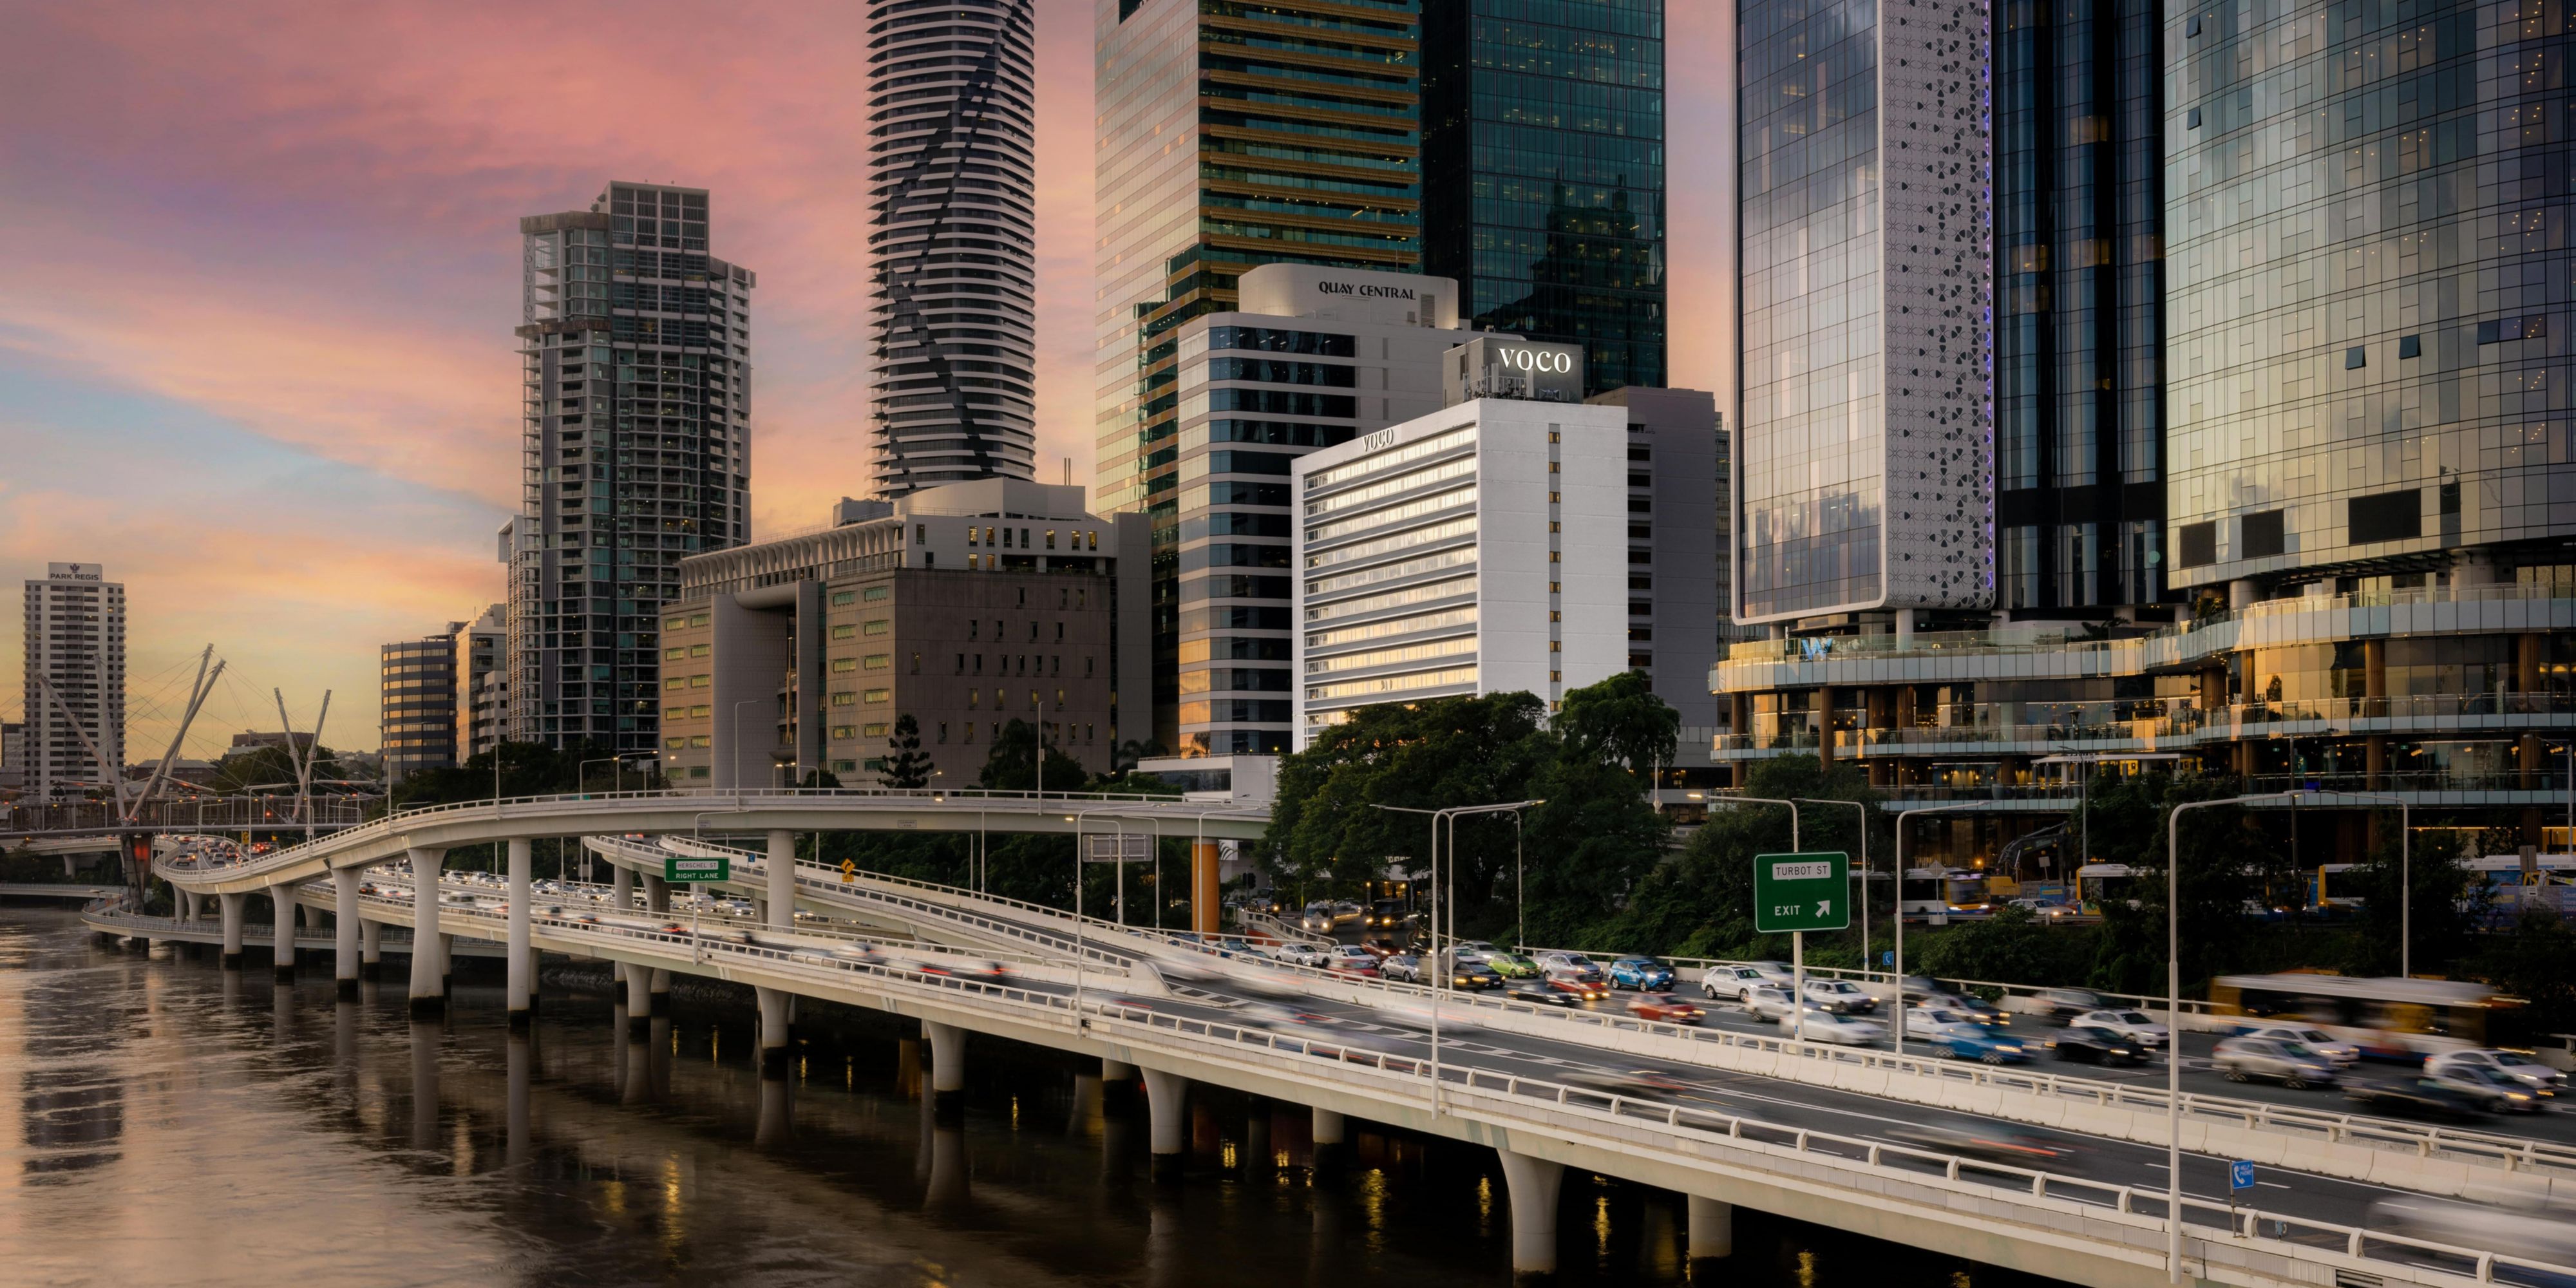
{"x": 952, "y": 177}
{"x": 1543, "y": 173}
{"x": 965, "y": 607}
{"x": 481, "y": 682}
{"x": 1864, "y": 453}
{"x": 13, "y": 754}
{"x": 2079, "y": 308}
{"x": 1307, "y": 358}
{"x": 75, "y": 681}
{"x": 416, "y": 702}
{"x": 636, "y": 361}
{"x": 1231, "y": 136}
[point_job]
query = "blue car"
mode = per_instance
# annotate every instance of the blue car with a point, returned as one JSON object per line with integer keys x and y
{"x": 1644, "y": 974}
{"x": 1963, "y": 1041}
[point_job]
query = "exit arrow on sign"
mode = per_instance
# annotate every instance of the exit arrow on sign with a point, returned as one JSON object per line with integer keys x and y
{"x": 1824, "y": 908}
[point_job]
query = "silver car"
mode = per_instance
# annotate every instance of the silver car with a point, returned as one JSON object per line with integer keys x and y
{"x": 2344, "y": 1054}
{"x": 1767, "y": 1003}
{"x": 2294, "y": 1066}
{"x": 2512, "y": 1064}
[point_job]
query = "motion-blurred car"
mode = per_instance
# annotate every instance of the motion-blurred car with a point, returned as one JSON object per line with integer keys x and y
{"x": 1316, "y": 918}
{"x": 2512, "y": 1064}
{"x": 1767, "y": 1002}
{"x": 1402, "y": 966}
{"x": 1386, "y": 914}
{"x": 1840, "y": 996}
{"x": 2045, "y": 909}
{"x": 1983, "y": 1140}
{"x": 1570, "y": 965}
{"x": 1828, "y": 1026}
{"x": 2242, "y": 1059}
{"x": 1977, "y": 1042}
{"x": 1576, "y": 988}
{"x": 1665, "y": 1008}
{"x": 2062, "y": 1002}
{"x": 2084, "y": 1044}
{"x": 2137, "y": 1026}
{"x": 1644, "y": 974}
{"x": 1475, "y": 975}
{"x": 2500, "y": 1092}
{"x": 2343, "y": 1054}
{"x": 1351, "y": 959}
{"x": 1300, "y": 953}
{"x": 2418, "y": 1098}
{"x": 1513, "y": 965}
{"x": 1542, "y": 993}
{"x": 1635, "y": 1082}
{"x": 1976, "y": 1009}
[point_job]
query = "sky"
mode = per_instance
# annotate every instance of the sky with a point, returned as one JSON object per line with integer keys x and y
{"x": 255, "y": 315}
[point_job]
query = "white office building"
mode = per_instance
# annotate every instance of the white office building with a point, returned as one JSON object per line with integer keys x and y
{"x": 75, "y": 680}
{"x": 1481, "y": 548}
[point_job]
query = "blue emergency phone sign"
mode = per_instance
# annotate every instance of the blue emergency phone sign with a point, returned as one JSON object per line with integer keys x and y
{"x": 2240, "y": 1175}
{"x": 1887, "y": 957}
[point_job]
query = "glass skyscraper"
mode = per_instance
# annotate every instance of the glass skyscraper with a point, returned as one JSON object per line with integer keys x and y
{"x": 2079, "y": 325}
{"x": 952, "y": 175}
{"x": 1543, "y": 173}
{"x": 2369, "y": 251}
{"x": 1231, "y": 134}
{"x": 1864, "y": 447}
{"x": 636, "y": 364}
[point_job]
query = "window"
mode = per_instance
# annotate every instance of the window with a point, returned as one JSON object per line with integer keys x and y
{"x": 844, "y": 664}
{"x": 695, "y": 681}
{"x": 875, "y": 695}
{"x": 2356, "y": 357}
{"x": 675, "y": 744}
{"x": 943, "y": 731}
{"x": 2263, "y": 536}
{"x": 845, "y": 732}
{"x": 2410, "y": 346}
{"x": 844, "y": 631}
{"x": 1059, "y": 632}
{"x": 844, "y": 598}
{"x": 880, "y": 626}
{"x": 674, "y": 654}
{"x": 676, "y": 624}
{"x": 676, "y": 682}
{"x": 844, "y": 699}
{"x": 875, "y": 594}
{"x": 2389, "y": 516}
{"x": 880, "y": 661}
{"x": 877, "y": 730}
{"x": 701, "y": 740}
{"x": 2199, "y": 544}
{"x": 701, "y": 650}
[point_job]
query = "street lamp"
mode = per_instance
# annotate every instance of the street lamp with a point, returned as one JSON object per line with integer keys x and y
{"x": 1864, "y": 871}
{"x": 2173, "y": 1019}
{"x": 1899, "y": 1027}
{"x": 1446, "y": 903}
{"x": 1797, "y": 939}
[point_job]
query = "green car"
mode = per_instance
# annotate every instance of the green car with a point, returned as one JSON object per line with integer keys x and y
{"x": 1513, "y": 966}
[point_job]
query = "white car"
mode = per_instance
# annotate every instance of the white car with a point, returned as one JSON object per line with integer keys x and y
{"x": 1574, "y": 966}
{"x": 1767, "y": 1003}
{"x": 1841, "y": 1030}
{"x": 2512, "y": 1064}
{"x": 1735, "y": 981}
{"x": 1840, "y": 996}
{"x": 2046, "y": 909}
{"x": 1303, "y": 954}
{"x": 2343, "y": 1054}
{"x": 1474, "y": 950}
{"x": 2136, "y": 1026}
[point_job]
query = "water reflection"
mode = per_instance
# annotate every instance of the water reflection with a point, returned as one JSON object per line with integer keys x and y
{"x": 161, "y": 1122}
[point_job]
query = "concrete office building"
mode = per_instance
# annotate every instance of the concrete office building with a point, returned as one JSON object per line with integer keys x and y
{"x": 636, "y": 361}
{"x": 1232, "y": 136}
{"x": 1864, "y": 420}
{"x": 13, "y": 755}
{"x": 74, "y": 694}
{"x": 1307, "y": 359}
{"x": 416, "y": 702}
{"x": 481, "y": 682}
{"x": 965, "y": 607}
{"x": 1543, "y": 173}
{"x": 1488, "y": 546}
{"x": 952, "y": 180}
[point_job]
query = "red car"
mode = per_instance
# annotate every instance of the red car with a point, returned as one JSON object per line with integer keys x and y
{"x": 1351, "y": 959}
{"x": 1569, "y": 984}
{"x": 1665, "y": 1008}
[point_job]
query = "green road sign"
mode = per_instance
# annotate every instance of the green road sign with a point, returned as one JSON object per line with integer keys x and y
{"x": 678, "y": 870}
{"x": 1801, "y": 892}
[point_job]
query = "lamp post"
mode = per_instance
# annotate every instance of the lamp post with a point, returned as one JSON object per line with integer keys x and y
{"x": 2173, "y": 1020}
{"x": 1864, "y": 870}
{"x": 1520, "y": 889}
{"x": 1797, "y": 939}
{"x": 1898, "y": 1028}
{"x": 1446, "y": 904}
{"x": 1081, "y": 1024}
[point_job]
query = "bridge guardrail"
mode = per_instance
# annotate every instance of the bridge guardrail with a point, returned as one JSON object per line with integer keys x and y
{"x": 1513, "y": 1097}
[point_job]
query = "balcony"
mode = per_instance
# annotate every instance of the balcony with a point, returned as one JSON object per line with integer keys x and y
{"x": 2153, "y": 724}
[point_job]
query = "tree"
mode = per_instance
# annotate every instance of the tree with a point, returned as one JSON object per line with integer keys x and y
{"x": 2444, "y": 911}
{"x": 1428, "y": 755}
{"x": 909, "y": 766}
{"x": 1013, "y": 767}
{"x": 2535, "y": 961}
{"x": 2230, "y": 862}
{"x": 1619, "y": 721}
{"x": 1701, "y": 904}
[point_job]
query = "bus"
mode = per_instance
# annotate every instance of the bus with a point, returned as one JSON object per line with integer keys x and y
{"x": 2391, "y": 1019}
{"x": 1941, "y": 891}
{"x": 2099, "y": 883}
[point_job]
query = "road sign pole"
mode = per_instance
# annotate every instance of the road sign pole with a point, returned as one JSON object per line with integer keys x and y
{"x": 1798, "y": 982}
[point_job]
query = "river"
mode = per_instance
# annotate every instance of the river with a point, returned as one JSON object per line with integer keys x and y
{"x": 179, "y": 1125}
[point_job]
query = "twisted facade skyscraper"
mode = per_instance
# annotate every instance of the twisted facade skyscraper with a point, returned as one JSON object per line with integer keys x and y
{"x": 953, "y": 181}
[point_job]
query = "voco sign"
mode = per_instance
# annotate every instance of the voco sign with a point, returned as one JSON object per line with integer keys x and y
{"x": 1538, "y": 361}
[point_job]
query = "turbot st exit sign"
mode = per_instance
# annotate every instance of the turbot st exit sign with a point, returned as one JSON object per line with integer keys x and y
{"x": 1801, "y": 892}
{"x": 677, "y": 870}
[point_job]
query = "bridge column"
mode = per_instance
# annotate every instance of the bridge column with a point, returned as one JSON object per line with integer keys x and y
{"x": 231, "y": 906}
{"x": 773, "y": 1031}
{"x": 1712, "y": 1236}
{"x": 621, "y": 888}
{"x": 1167, "y": 1099}
{"x": 657, "y": 894}
{"x": 281, "y": 938}
{"x": 1534, "y": 1185}
{"x": 428, "y": 985}
{"x": 344, "y": 931}
{"x": 658, "y": 992}
{"x": 639, "y": 1000}
{"x": 1204, "y": 900}
{"x": 1331, "y": 1130}
{"x": 947, "y": 1067}
{"x": 522, "y": 977}
{"x": 371, "y": 950}
{"x": 781, "y": 870}
{"x": 446, "y": 965}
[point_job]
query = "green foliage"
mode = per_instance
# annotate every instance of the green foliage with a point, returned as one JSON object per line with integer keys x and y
{"x": 2230, "y": 864}
{"x": 527, "y": 769}
{"x": 2010, "y": 947}
{"x": 2443, "y": 915}
{"x": 2535, "y": 961}
{"x": 1701, "y": 904}
{"x": 908, "y": 766}
{"x": 267, "y": 767}
{"x": 1013, "y": 764}
{"x": 1619, "y": 722}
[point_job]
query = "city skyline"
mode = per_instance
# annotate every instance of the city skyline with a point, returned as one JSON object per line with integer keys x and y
{"x": 248, "y": 241}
